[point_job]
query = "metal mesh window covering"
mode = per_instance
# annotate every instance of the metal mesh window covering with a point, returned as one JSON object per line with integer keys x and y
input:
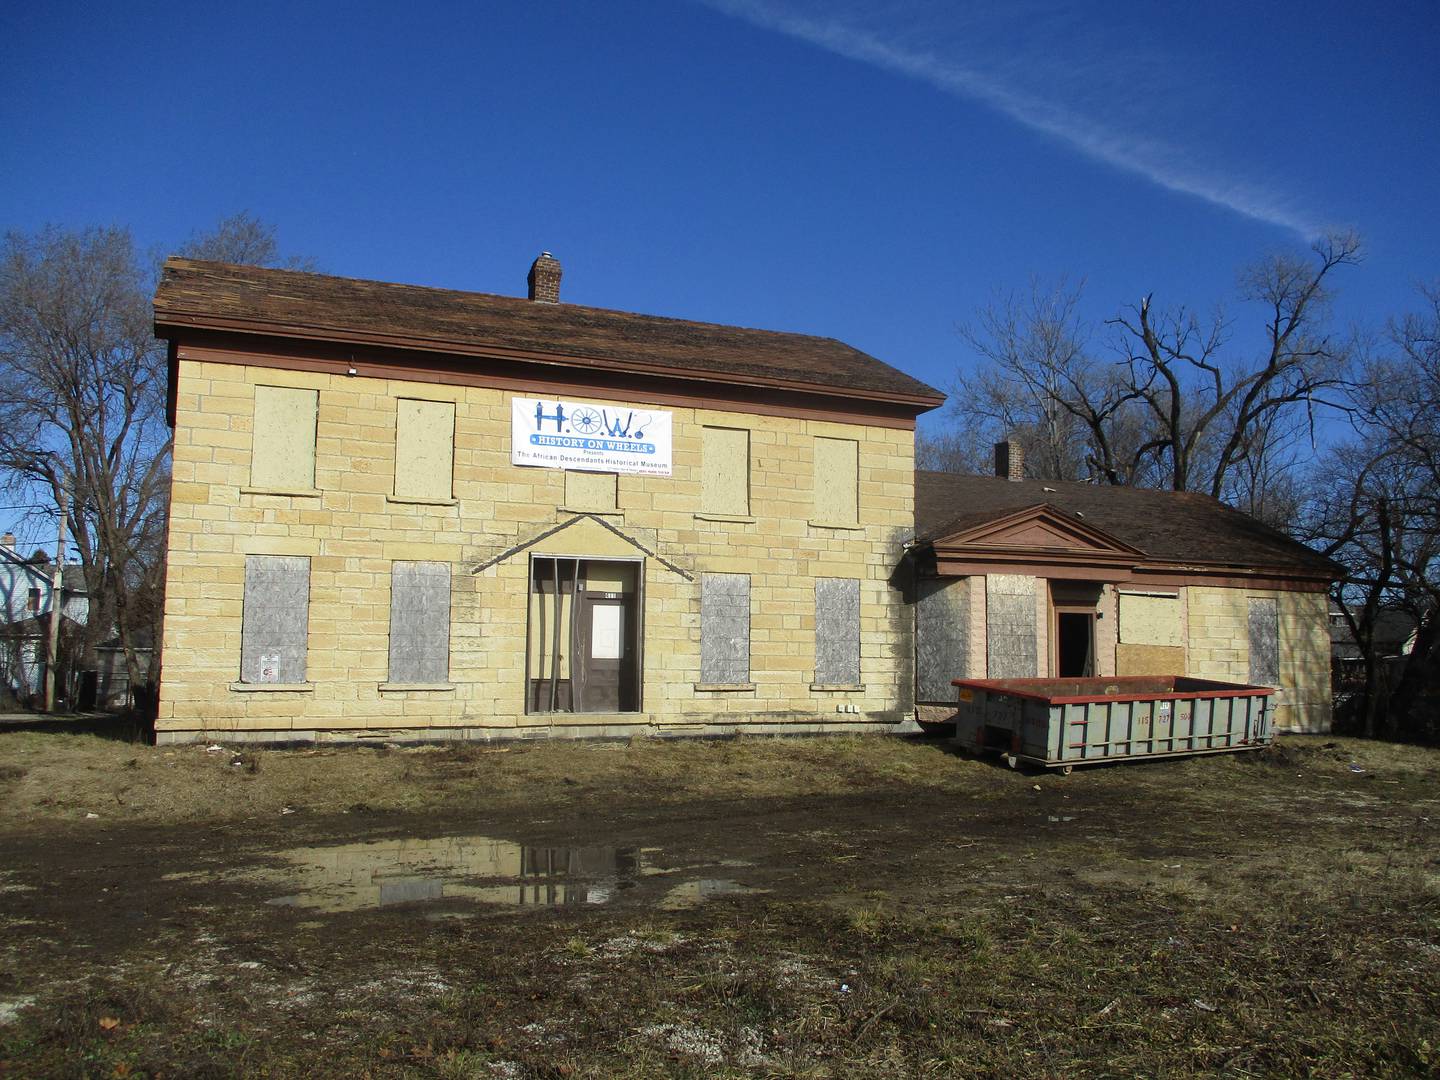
{"x": 837, "y": 631}
{"x": 725, "y": 629}
{"x": 274, "y": 629}
{"x": 419, "y": 622}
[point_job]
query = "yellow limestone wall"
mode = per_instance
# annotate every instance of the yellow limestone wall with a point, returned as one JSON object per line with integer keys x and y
{"x": 1218, "y": 646}
{"x": 354, "y": 526}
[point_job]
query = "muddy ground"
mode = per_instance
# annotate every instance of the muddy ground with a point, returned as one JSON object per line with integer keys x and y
{"x": 839, "y": 907}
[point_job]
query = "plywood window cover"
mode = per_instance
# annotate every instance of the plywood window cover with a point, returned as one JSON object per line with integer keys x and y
{"x": 275, "y": 621}
{"x": 1128, "y": 616}
{"x": 711, "y": 513}
{"x": 269, "y": 486}
{"x": 613, "y": 511}
{"x": 943, "y": 608}
{"x": 419, "y": 637}
{"x": 720, "y": 651}
{"x": 820, "y": 521}
{"x": 424, "y": 498}
{"x": 837, "y": 644}
{"x": 1263, "y": 634}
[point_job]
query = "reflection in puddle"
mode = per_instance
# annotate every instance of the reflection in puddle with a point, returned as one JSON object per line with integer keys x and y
{"x": 380, "y": 873}
{"x": 690, "y": 893}
{"x": 475, "y": 869}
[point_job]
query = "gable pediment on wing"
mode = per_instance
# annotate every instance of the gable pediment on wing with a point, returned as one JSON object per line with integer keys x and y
{"x": 1037, "y": 530}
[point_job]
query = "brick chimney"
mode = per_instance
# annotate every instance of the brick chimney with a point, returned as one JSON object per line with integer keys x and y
{"x": 1009, "y": 460}
{"x": 8, "y": 541}
{"x": 544, "y": 279}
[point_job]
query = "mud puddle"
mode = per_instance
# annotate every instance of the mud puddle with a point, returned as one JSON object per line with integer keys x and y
{"x": 462, "y": 871}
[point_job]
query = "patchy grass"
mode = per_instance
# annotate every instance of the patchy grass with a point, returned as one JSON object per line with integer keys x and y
{"x": 924, "y": 915}
{"x": 50, "y": 777}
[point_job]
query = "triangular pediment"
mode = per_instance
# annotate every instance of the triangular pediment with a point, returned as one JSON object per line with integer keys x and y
{"x": 589, "y": 535}
{"x": 1038, "y": 531}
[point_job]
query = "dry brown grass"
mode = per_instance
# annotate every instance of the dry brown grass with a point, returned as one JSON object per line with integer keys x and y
{"x": 1270, "y": 915}
{"x": 49, "y": 777}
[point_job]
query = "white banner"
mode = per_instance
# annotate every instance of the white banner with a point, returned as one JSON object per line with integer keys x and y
{"x": 589, "y": 438}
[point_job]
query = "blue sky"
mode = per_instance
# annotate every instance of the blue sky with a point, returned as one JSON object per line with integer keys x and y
{"x": 872, "y": 172}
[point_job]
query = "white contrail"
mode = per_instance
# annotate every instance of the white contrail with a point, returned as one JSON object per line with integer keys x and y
{"x": 1146, "y": 157}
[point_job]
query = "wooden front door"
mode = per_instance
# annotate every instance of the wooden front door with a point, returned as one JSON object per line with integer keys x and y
{"x": 605, "y": 653}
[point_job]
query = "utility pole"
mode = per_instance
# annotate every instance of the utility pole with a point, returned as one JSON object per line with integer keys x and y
{"x": 57, "y": 601}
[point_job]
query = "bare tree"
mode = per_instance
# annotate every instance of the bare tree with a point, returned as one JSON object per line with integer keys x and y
{"x": 1043, "y": 386}
{"x": 1205, "y": 407}
{"x": 1175, "y": 406}
{"x": 82, "y": 399}
{"x": 82, "y": 404}
{"x": 1376, "y": 509}
{"x": 246, "y": 240}
{"x": 958, "y": 450}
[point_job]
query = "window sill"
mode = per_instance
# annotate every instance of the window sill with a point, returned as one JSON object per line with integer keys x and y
{"x": 847, "y": 526}
{"x": 724, "y": 688}
{"x": 740, "y": 519}
{"x": 294, "y": 493}
{"x": 416, "y": 687}
{"x": 272, "y": 687}
{"x": 837, "y": 688}
{"x": 416, "y": 500}
{"x": 581, "y": 510}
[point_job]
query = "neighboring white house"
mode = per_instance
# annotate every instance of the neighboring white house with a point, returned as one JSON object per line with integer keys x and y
{"x": 26, "y": 590}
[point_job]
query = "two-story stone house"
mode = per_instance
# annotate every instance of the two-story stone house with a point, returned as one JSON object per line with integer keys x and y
{"x": 403, "y": 512}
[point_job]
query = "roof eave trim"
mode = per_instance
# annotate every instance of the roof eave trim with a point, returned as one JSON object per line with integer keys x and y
{"x": 168, "y": 320}
{"x": 1145, "y": 564}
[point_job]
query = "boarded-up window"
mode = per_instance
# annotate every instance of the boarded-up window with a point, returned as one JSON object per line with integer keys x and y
{"x": 1150, "y": 619}
{"x": 725, "y": 629}
{"x": 589, "y": 491}
{"x": 942, "y": 637}
{"x": 1264, "y": 641}
{"x": 837, "y": 481}
{"x": 424, "y": 448}
{"x": 419, "y": 622}
{"x": 275, "y": 625}
{"x": 837, "y": 631}
{"x": 282, "y": 453}
{"x": 725, "y": 471}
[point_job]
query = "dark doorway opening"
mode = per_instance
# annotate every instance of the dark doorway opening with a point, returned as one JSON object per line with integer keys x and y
{"x": 584, "y": 635}
{"x": 1074, "y": 644}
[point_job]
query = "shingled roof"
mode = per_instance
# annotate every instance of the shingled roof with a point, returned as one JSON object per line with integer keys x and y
{"x": 288, "y": 303}
{"x": 1169, "y": 526}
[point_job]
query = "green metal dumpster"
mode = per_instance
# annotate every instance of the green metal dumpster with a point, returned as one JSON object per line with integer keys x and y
{"x": 1061, "y": 723}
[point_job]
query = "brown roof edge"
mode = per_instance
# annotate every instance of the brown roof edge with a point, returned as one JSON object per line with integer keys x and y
{"x": 440, "y": 345}
{"x": 1177, "y": 530}
{"x": 177, "y": 310}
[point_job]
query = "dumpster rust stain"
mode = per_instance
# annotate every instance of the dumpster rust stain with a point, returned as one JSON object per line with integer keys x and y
{"x": 474, "y": 870}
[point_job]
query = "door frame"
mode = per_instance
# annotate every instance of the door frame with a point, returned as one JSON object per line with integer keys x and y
{"x": 1065, "y": 607}
{"x": 639, "y": 561}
